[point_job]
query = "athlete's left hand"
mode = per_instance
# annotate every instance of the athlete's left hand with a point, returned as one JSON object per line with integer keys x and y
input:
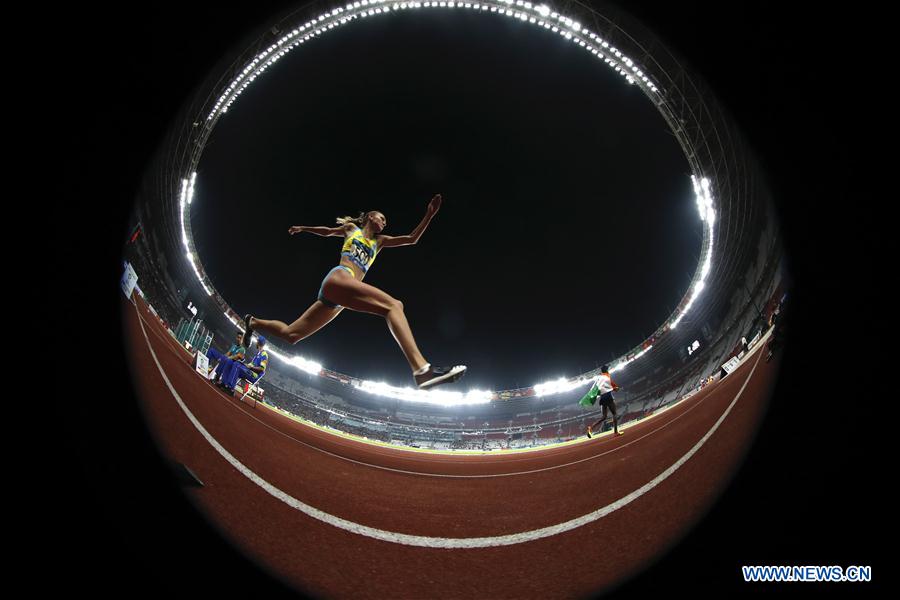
{"x": 435, "y": 204}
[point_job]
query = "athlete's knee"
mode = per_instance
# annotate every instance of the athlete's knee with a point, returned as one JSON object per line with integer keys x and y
{"x": 395, "y": 305}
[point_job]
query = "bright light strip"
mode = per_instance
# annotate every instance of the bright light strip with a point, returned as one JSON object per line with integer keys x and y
{"x": 190, "y": 257}
{"x": 705, "y": 203}
{"x": 309, "y": 366}
{"x": 439, "y": 397}
{"x": 568, "y": 28}
{"x": 559, "y": 386}
{"x": 190, "y": 192}
{"x": 565, "y": 27}
{"x": 182, "y": 203}
{"x": 187, "y": 195}
{"x": 620, "y": 366}
{"x": 641, "y": 353}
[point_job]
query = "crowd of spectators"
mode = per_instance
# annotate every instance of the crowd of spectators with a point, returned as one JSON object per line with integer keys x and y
{"x": 411, "y": 432}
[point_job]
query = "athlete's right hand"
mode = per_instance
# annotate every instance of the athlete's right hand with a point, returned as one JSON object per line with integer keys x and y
{"x": 435, "y": 204}
{"x": 295, "y": 229}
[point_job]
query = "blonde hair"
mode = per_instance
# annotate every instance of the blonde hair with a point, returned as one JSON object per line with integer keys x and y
{"x": 359, "y": 221}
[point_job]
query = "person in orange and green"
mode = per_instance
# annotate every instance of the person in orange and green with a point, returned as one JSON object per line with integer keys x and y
{"x": 605, "y": 388}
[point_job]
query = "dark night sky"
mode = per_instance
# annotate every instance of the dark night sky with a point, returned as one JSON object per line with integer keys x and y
{"x": 568, "y": 233}
{"x": 805, "y": 494}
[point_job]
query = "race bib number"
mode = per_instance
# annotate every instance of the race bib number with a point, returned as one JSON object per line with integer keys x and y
{"x": 361, "y": 254}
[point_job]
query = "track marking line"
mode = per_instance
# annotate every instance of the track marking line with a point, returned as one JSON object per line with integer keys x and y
{"x": 441, "y": 542}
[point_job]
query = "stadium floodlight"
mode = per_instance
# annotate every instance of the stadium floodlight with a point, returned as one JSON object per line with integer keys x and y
{"x": 558, "y": 386}
{"x": 190, "y": 193}
{"x": 191, "y": 260}
{"x": 439, "y": 397}
{"x": 478, "y": 396}
{"x": 309, "y": 366}
{"x": 183, "y": 197}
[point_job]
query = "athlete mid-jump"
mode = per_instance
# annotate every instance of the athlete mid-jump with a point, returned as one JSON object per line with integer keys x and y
{"x": 343, "y": 288}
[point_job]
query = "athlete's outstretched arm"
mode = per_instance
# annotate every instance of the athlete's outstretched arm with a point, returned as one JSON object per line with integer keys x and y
{"x": 323, "y": 231}
{"x": 387, "y": 241}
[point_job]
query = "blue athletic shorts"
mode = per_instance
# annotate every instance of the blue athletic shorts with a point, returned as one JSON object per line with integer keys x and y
{"x": 322, "y": 297}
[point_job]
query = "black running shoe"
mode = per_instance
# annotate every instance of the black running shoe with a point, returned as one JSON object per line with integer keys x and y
{"x": 248, "y": 331}
{"x": 439, "y": 376}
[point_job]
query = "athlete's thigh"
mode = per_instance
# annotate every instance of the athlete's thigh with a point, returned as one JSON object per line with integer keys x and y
{"x": 358, "y": 295}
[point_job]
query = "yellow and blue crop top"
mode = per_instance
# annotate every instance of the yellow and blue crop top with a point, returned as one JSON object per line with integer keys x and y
{"x": 360, "y": 249}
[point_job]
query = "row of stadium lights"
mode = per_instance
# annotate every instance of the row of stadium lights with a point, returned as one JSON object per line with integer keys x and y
{"x": 557, "y": 23}
{"x": 187, "y": 197}
{"x": 707, "y": 215}
{"x": 572, "y": 30}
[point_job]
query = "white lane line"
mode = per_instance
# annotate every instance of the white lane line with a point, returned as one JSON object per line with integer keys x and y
{"x": 452, "y": 476}
{"x": 441, "y": 542}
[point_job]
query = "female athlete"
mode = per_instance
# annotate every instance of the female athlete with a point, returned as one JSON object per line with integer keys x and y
{"x": 343, "y": 288}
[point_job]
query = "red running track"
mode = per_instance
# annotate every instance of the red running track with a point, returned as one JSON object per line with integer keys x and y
{"x": 443, "y": 496}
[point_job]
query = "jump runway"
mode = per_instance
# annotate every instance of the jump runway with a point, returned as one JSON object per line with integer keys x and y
{"x": 337, "y": 517}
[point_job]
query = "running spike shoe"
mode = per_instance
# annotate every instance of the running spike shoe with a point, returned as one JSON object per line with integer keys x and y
{"x": 435, "y": 376}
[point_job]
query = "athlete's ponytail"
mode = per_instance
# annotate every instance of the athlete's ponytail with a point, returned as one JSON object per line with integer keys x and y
{"x": 359, "y": 221}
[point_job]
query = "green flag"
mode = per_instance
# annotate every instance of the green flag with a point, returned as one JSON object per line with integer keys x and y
{"x": 591, "y": 397}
